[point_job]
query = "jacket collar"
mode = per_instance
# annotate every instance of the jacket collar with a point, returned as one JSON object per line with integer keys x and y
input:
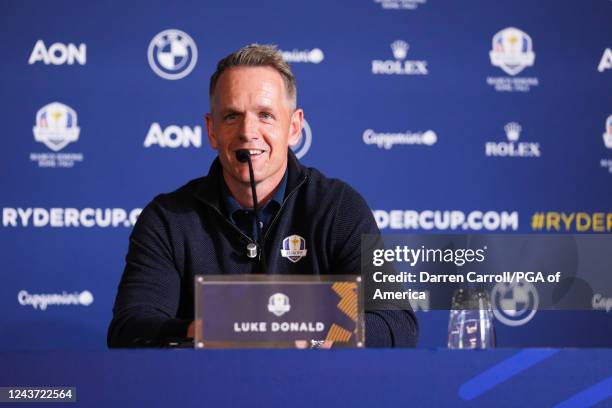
{"x": 208, "y": 189}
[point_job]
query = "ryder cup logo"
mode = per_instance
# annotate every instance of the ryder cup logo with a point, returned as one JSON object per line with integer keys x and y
{"x": 172, "y": 54}
{"x": 294, "y": 248}
{"x": 303, "y": 144}
{"x": 56, "y": 126}
{"x": 514, "y": 304}
{"x": 278, "y": 304}
{"x": 512, "y": 51}
{"x": 608, "y": 135}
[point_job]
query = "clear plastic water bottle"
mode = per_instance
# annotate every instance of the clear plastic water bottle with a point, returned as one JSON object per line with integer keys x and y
{"x": 471, "y": 320}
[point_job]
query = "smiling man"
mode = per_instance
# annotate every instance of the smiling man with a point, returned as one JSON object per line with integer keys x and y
{"x": 205, "y": 226}
{"x": 253, "y": 109}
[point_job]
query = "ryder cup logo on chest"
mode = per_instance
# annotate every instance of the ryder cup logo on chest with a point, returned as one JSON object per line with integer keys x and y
{"x": 512, "y": 52}
{"x": 56, "y": 127}
{"x": 172, "y": 54}
{"x": 294, "y": 248}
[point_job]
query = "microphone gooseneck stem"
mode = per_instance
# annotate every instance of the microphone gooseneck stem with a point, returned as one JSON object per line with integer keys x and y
{"x": 262, "y": 256}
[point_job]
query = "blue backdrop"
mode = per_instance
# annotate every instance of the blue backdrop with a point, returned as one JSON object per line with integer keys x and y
{"x": 471, "y": 116}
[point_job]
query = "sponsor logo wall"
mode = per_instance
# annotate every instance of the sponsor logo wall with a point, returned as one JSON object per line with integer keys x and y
{"x": 445, "y": 118}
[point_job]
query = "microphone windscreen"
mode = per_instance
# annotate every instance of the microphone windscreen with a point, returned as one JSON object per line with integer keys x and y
{"x": 242, "y": 155}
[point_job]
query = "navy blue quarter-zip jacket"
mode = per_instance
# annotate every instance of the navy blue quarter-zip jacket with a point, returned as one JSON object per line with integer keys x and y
{"x": 186, "y": 233}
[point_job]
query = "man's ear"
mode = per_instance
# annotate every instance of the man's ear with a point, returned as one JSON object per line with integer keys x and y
{"x": 295, "y": 126}
{"x": 212, "y": 139}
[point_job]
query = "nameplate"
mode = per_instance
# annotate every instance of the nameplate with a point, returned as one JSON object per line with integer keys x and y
{"x": 278, "y": 311}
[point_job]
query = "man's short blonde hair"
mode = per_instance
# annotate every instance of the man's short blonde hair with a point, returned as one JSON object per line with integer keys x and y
{"x": 257, "y": 55}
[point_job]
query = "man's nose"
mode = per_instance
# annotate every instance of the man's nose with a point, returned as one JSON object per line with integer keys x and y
{"x": 249, "y": 129}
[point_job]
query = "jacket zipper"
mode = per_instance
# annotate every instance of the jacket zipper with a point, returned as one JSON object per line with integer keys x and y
{"x": 249, "y": 239}
{"x": 263, "y": 242}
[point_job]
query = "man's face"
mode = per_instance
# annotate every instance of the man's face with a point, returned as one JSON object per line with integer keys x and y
{"x": 250, "y": 110}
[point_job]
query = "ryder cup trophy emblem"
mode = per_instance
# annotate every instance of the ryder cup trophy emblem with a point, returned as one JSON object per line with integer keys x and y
{"x": 56, "y": 126}
{"x": 294, "y": 248}
{"x": 278, "y": 304}
{"x": 512, "y": 51}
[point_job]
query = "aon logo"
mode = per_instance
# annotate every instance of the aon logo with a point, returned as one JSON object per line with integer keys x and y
{"x": 174, "y": 136}
{"x": 58, "y": 54}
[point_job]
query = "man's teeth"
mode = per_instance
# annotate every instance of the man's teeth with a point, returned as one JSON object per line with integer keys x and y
{"x": 255, "y": 152}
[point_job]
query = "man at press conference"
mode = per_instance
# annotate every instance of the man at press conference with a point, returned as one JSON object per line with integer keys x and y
{"x": 209, "y": 225}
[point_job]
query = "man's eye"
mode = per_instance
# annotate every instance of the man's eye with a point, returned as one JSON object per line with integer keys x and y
{"x": 266, "y": 115}
{"x": 230, "y": 116}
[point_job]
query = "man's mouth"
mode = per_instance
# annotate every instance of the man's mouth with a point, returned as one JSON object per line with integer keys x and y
{"x": 255, "y": 152}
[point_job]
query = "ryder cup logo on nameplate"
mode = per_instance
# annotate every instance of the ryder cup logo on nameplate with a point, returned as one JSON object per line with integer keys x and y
{"x": 303, "y": 144}
{"x": 514, "y": 304}
{"x": 56, "y": 127}
{"x": 400, "y": 65}
{"x": 172, "y": 54}
{"x": 512, "y": 52}
{"x": 294, "y": 248}
{"x": 278, "y": 304}
{"x": 512, "y": 148}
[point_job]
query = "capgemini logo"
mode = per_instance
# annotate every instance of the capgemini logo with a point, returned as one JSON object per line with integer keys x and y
{"x": 41, "y": 301}
{"x": 86, "y": 298}
{"x": 314, "y": 56}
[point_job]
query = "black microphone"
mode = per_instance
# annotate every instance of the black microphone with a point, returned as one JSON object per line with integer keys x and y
{"x": 244, "y": 156}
